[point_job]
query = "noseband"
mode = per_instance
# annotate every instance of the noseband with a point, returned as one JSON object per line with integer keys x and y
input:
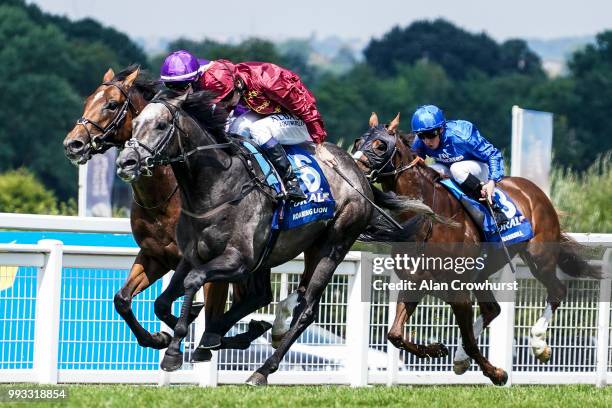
{"x": 99, "y": 142}
{"x": 386, "y": 167}
{"x": 157, "y": 156}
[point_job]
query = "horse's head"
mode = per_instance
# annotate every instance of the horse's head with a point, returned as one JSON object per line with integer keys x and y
{"x": 107, "y": 116}
{"x": 382, "y": 151}
{"x": 171, "y": 128}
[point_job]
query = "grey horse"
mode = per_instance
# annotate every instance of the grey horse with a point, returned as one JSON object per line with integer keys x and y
{"x": 225, "y": 223}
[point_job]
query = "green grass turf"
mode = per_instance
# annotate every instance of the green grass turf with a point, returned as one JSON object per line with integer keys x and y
{"x": 128, "y": 396}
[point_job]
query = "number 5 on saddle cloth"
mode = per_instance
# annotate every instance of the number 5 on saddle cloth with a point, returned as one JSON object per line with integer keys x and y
{"x": 516, "y": 229}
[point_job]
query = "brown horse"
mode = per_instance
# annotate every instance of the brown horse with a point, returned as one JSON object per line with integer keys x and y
{"x": 107, "y": 122}
{"x": 399, "y": 169}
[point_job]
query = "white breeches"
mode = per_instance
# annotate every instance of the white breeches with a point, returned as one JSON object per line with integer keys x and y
{"x": 460, "y": 170}
{"x": 287, "y": 129}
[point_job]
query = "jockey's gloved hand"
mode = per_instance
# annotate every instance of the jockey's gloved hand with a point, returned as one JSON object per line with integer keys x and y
{"x": 325, "y": 155}
{"x": 487, "y": 190}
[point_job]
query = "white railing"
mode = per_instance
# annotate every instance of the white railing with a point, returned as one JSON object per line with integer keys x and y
{"x": 58, "y": 325}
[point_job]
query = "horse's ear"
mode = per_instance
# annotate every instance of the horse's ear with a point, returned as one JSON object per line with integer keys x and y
{"x": 110, "y": 74}
{"x": 356, "y": 145}
{"x": 373, "y": 119}
{"x": 129, "y": 80}
{"x": 394, "y": 124}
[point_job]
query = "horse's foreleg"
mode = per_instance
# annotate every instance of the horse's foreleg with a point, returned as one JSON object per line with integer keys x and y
{"x": 489, "y": 310}
{"x": 464, "y": 314}
{"x": 256, "y": 294}
{"x": 145, "y": 271}
{"x": 226, "y": 267}
{"x": 403, "y": 312}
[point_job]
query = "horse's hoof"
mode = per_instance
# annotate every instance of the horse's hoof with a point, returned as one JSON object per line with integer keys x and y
{"x": 257, "y": 379}
{"x": 172, "y": 362}
{"x": 201, "y": 355}
{"x": 461, "y": 366}
{"x": 437, "y": 350}
{"x": 259, "y": 327}
{"x": 500, "y": 378}
{"x": 210, "y": 341}
{"x": 544, "y": 355}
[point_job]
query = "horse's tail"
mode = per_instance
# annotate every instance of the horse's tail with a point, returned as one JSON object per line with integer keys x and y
{"x": 571, "y": 262}
{"x": 381, "y": 230}
{"x": 393, "y": 202}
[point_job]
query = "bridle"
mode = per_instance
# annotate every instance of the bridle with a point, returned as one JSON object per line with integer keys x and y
{"x": 156, "y": 153}
{"x": 100, "y": 141}
{"x": 158, "y": 157}
{"x": 387, "y": 168}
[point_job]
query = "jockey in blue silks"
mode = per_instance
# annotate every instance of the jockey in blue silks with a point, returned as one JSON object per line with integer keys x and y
{"x": 460, "y": 151}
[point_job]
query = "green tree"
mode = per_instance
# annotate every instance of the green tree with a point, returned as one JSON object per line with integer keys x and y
{"x": 589, "y": 112}
{"x": 21, "y": 192}
{"x": 252, "y": 49}
{"x": 459, "y": 52}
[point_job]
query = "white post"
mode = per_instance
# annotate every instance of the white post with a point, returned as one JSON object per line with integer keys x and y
{"x": 46, "y": 326}
{"x": 603, "y": 319}
{"x": 501, "y": 331}
{"x": 164, "y": 376}
{"x": 82, "y": 204}
{"x": 515, "y": 163}
{"x": 357, "y": 329}
{"x": 393, "y": 353}
{"x": 207, "y": 373}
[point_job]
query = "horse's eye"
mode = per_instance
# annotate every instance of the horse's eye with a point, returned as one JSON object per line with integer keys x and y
{"x": 161, "y": 125}
{"x": 380, "y": 147}
{"x": 112, "y": 105}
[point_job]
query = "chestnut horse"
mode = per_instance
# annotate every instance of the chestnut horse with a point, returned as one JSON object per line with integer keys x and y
{"x": 106, "y": 123}
{"x": 401, "y": 171}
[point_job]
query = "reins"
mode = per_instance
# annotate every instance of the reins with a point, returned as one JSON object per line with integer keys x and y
{"x": 157, "y": 158}
{"x": 100, "y": 141}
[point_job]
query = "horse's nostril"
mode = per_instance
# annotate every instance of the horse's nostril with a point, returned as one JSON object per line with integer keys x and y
{"x": 75, "y": 146}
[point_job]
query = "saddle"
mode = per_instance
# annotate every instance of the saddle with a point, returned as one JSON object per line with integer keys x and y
{"x": 516, "y": 228}
{"x": 319, "y": 204}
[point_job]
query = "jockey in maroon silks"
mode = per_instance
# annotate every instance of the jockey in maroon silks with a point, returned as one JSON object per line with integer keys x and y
{"x": 284, "y": 110}
{"x": 279, "y": 108}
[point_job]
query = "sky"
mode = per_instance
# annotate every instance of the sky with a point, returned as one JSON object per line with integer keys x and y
{"x": 277, "y": 19}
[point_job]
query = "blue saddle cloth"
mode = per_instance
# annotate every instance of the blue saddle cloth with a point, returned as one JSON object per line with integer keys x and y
{"x": 319, "y": 204}
{"x": 516, "y": 229}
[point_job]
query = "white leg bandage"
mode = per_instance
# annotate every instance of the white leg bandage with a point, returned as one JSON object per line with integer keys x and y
{"x": 460, "y": 354}
{"x": 538, "y": 332}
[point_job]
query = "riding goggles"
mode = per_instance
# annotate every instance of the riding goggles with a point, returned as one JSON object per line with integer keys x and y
{"x": 429, "y": 134}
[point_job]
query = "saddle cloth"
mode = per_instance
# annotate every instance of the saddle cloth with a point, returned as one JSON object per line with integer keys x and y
{"x": 319, "y": 204}
{"x": 516, "y": 229}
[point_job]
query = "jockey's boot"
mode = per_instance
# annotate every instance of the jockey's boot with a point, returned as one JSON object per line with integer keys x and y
{"x": 281, "y": 163}
{"x": 472, "y": 188}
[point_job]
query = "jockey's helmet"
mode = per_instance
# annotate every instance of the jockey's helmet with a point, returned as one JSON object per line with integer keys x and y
{"x": 179, "y": 69}
{"x": 426, "y": 118}
{"x": 219, "y": 79}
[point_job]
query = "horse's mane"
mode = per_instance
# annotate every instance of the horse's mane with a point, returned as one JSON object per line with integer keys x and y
{"x": 144, "y": 83}
{"x": 199, "y": 106}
